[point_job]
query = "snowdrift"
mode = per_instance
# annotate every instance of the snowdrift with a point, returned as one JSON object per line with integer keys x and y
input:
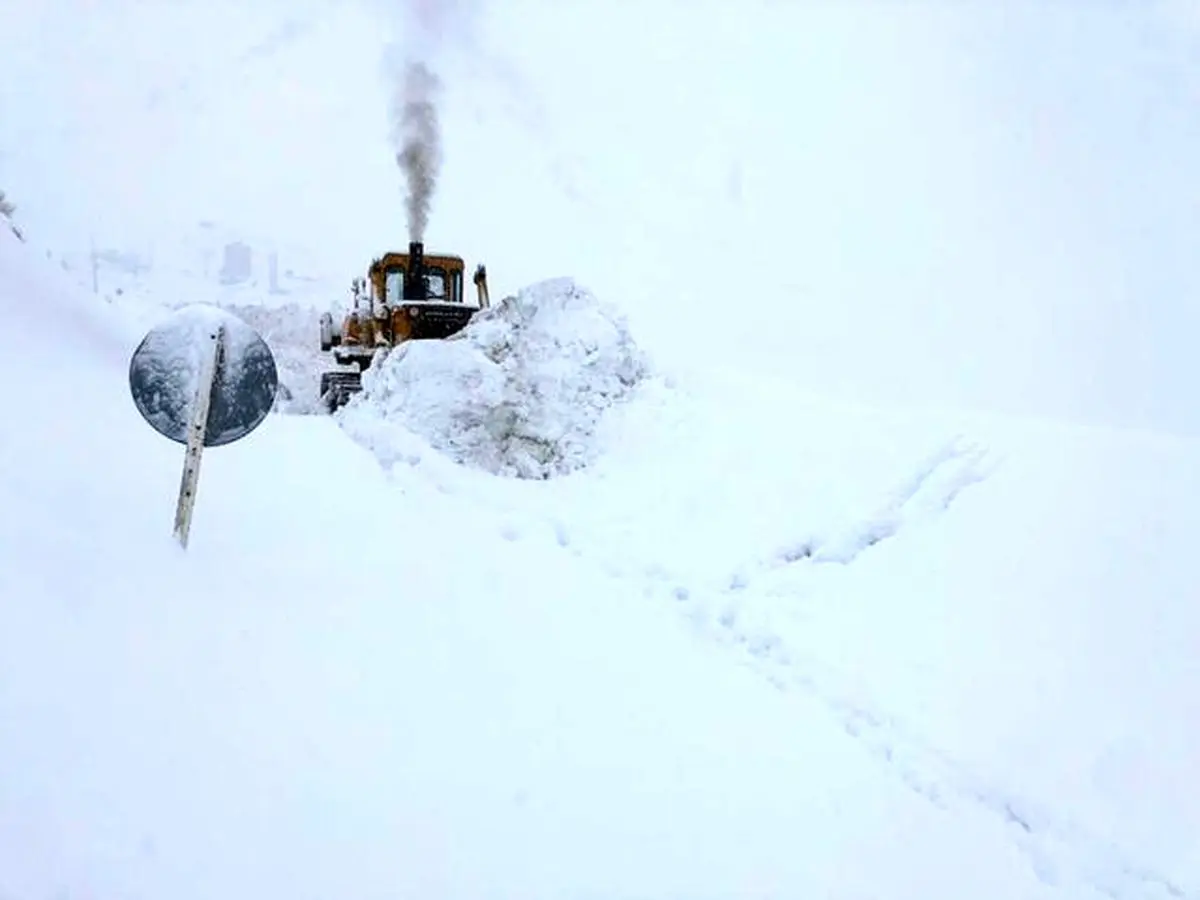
{"x": 269, "y": 712}
{"x": 260, "y": 717}
{"x": 520, "y": 392}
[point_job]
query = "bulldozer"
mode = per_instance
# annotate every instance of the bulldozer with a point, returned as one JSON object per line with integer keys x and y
{"x": 405, "y": 297}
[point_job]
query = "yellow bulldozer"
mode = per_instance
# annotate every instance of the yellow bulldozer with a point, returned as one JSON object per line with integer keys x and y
{"x": 405, "y": 297}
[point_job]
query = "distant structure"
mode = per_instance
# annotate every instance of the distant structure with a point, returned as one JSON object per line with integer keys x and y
{"x": 237, "y": 267}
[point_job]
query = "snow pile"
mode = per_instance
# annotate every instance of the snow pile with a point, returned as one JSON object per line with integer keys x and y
{"x": 519, "y": 392}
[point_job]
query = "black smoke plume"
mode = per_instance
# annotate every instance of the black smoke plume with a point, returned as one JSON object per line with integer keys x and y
{"x": 420, "y": 152}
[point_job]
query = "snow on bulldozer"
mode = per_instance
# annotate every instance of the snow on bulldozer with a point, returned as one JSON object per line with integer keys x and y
{"x": 405, "y": 297}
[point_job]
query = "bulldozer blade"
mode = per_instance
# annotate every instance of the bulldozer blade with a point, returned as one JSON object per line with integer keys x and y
{"x": 434, "y": 321}
{"x": 337, "y": 388}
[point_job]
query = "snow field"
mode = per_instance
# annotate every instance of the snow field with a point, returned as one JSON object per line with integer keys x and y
{"x": 860, "y": 653}
{"x": 351, "y": 673}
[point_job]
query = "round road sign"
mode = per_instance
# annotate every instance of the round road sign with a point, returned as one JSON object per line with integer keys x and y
{"x": 167, "y": 367}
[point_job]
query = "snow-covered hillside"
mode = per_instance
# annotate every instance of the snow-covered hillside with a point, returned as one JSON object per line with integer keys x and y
{"x": 435, "y": 680}
{"x": 753, "y": 639}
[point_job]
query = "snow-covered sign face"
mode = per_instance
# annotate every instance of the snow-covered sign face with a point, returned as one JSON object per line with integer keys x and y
{"x": 166, "y": 370}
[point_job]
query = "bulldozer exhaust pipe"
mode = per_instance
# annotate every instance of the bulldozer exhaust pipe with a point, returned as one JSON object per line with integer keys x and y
{"x": 414, "y": 278}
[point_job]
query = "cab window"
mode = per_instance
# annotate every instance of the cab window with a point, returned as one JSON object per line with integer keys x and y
{"x": 439, "y": 285}
{"x": 393, "y": 288}
{"x": 435, "y": 283}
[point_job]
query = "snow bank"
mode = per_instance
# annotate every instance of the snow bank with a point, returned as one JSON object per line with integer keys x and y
{"x": 519, "y": 392}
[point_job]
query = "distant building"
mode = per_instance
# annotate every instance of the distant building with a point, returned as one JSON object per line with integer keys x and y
{"x": 238, "y": 265}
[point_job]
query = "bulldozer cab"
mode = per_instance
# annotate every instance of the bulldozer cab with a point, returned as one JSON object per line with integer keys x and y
{"x": 441, "y": 279}
{"x": 405, "y": 297}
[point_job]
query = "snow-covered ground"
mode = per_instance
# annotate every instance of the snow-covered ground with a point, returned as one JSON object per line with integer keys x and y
{"x": 766, "y": 638}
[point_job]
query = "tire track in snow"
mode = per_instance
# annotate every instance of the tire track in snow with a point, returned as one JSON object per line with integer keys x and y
{"x": 930, "y": 491}
{"x": 1060, "y": 852}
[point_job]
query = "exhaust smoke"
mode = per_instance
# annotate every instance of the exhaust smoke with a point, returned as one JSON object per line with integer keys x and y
{"x": 428, "y": 31}
{"x": 420, "y": 153}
